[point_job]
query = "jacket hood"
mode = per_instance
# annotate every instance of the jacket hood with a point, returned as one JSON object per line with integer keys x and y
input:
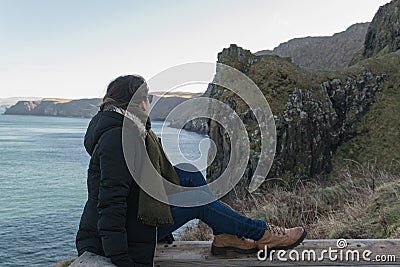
{"x": 101, "y": 123}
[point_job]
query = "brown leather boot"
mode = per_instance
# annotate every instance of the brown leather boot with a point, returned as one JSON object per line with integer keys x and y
{"x": 280, "y": 238}
{"x": 225, "y": 243}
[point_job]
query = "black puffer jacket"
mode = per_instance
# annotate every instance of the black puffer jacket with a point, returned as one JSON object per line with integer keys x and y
{"x": 109, "y": 224}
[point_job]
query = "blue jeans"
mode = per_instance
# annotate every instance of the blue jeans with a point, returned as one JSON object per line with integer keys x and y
{"x": 220, "y": 217}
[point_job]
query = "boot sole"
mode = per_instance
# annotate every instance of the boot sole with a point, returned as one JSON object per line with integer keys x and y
{"x": 295, "y": 244}
{"x": 224, "y": 250}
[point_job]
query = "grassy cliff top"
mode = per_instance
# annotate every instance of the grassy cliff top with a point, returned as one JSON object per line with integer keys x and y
{"x": 374, "y": 134}
{"x": 378, "y": 132}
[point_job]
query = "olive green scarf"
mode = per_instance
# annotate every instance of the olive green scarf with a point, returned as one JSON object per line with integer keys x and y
{"x": 151, "y": 211}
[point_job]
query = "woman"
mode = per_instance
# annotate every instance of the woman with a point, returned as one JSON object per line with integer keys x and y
{"x": 121, "y": 221}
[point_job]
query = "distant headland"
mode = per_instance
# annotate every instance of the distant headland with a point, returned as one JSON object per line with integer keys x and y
{"x": 86, "y": 108}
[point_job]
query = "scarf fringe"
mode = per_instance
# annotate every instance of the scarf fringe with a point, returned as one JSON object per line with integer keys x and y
{"x": 133, "y": 118}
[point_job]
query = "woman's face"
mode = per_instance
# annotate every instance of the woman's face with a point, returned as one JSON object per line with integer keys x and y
{"x": 145, "y": 105}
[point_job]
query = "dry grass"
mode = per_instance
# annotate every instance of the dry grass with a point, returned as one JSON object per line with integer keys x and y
{"x": 363, "y": 203}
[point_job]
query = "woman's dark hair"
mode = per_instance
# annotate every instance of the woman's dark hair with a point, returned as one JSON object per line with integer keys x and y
{"x": 122, "y": 89}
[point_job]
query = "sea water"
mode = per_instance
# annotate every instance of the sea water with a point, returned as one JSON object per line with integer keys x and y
{"x": 43, "y": 167}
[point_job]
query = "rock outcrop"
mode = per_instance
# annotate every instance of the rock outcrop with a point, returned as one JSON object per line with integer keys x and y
{"x": 325, "y": 52}
{"x": 198, "y": 125}
{"x": 317, "y": 115}
{"x": 84, "y": 108}
{"x": 383, "y": 35}
{"x": 325, "y": 121}
{"x": 384, "y": 32}
{"x": 10, "y": 101}
{"x": 316, "y": 121}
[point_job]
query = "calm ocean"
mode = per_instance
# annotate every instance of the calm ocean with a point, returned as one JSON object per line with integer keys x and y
{"x": 43, "y": 184}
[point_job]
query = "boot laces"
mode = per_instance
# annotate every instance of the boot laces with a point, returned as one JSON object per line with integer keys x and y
{"x": 276, "y": 229}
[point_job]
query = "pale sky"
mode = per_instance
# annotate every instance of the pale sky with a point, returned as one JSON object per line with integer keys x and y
{"x": 74, "y": 48}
